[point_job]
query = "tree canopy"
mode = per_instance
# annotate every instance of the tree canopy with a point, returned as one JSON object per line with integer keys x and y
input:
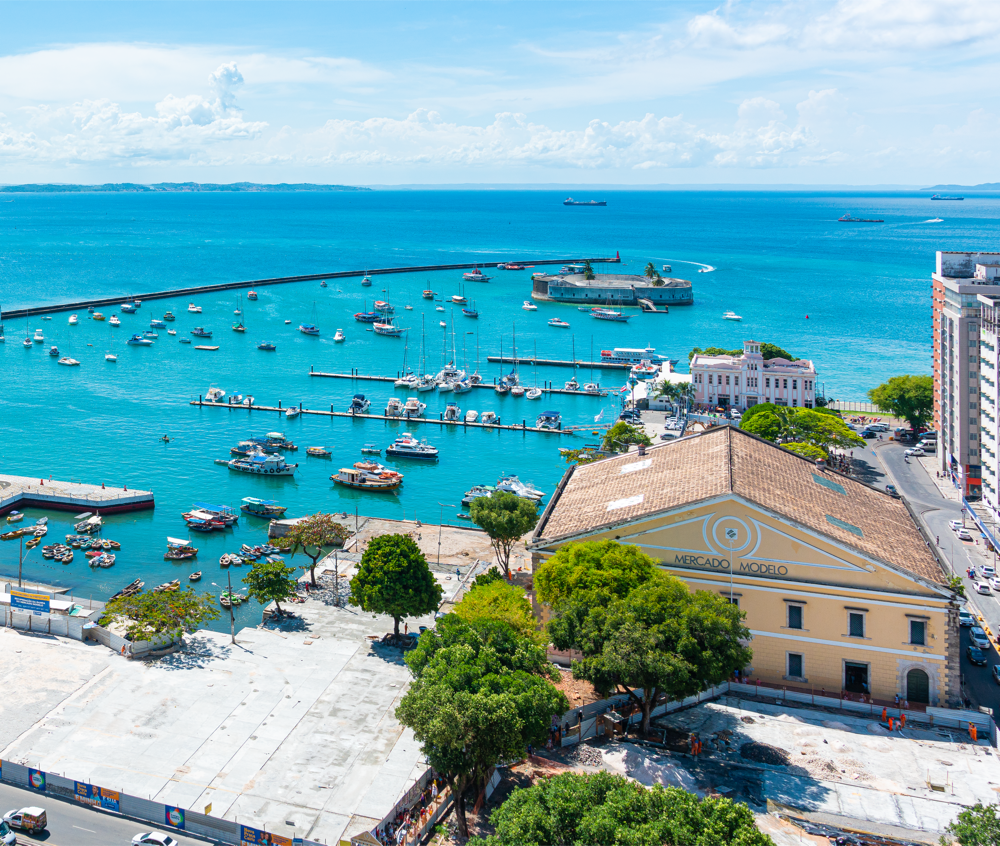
{"x": 767, "y": 351}
{"x": 975, "y": 826}
{"x": 506, "y": 518}
{"x": 393, "y": 578}
{"x": 593, "y": 571}
{"x": 588, "y": 271}
{"x": 499, "y": 601}
{"x": 311, "y": 536}
{"x": 270, "y": 581}
{"x": 651, "y": 272}
{"x": 623, "y": 435}
{"x": 909, "y": 398}
{"x": 152, "y": 615}
{"x": 815, "y": 427}
{"x": 660, "y": 639}
{"x": 604, "y": 809}
{"x": 478, "y": 698}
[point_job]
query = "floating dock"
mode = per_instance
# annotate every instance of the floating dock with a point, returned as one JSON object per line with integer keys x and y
{"x": 17, "y": 492}
{"x": 546, "y": 386}
{"x": 554, "y": 362}
{"x": 281, "y": 280}
{"x": 461, "y": 424}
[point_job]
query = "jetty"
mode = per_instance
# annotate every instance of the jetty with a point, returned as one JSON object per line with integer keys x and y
{"x": 554, "y": 362}
{"x": 546, "y": 387}
{"x": 17, "y": 492}
{"x": 16, "y": 313}
{"x": 458, "y": 424}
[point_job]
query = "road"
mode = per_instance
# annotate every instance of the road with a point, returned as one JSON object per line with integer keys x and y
{"x": 71, "y": 824}
{"x": 925, "y": 499}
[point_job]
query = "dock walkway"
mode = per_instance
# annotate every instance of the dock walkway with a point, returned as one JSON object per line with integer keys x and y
{"x": 608, "y": 365}
{"x": 546, "y": 388}
{"x": 524, "y": 427}
{"x": 18, "y": 492}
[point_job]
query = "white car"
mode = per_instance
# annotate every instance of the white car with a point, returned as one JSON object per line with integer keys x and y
{"x": 913, "y": 452}
{"x": 983, "y": 588}
{"x": 154, "y": 838}
{"x": 988, "y": 571}
{"x": 954, "y": 525}
{"x": 995, "y": 584}
{"x": 963, "y": 534}
{"x": 879, "y": 427}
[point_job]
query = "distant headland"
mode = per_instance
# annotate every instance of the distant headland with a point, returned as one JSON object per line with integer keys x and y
{"x": 173, "y": 188}
{"x": 982, "y": 186}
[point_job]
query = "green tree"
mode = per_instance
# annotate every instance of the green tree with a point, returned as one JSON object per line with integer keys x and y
{"x": 620, "y": 436}
{"x": 487, "y": 578}
{"x": 811, "y": 427}
{"x": 592, "y": 571}
{"x": 975, "y": 826}
{"x": 472, "y": 706}
{"x": 660, "y": 639}
{"x": 311, "y": 536}
{"x": 807, "y": 451}
{"x": 754, "y": 410}
{"x": 651, "y": 272}
{"x": 909, "y": 398}
{"x": 393, "y": 578}
{"x": 500, "y": 601}
{"x": 767, "y": 351}
{"x": 506, "y": 518}
{"x": 157, "y": 615}
{"x": 772, "y": 425}
{"x": 270, "y": 581}
{"x": 604, "y": 809}
{"x": 588, "y": 271}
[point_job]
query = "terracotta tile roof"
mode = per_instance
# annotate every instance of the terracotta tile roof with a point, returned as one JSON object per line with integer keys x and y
{"x": 728, "y": 460}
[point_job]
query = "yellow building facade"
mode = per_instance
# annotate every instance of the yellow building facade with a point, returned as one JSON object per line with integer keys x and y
{"x": 841, "y": 590}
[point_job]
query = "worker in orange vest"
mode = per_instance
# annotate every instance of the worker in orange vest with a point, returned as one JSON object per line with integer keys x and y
{"x": 890, "y": 723}
{"x": 885, "y": 714}
{"x": 902, "y": 719}
{"x": 972, "y": 732}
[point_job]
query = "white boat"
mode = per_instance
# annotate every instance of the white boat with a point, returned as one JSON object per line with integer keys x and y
{"x": 438, "y": 308}
{"x": 287, "y": 322}
{"x": 471, "y": 416}
{"x": 592, "y": 388}
{"x": 69, "y": 362}
{"x": 194, "y": 309}
{"x": 215, "y": 395}
{"x": 426, "y": 383}
{"x": 632, "y": 355}
{"x": 114, "y": 321}
{"x": 517, "y": 391}
{"x": 645, "y": 370}
{"x": 407, "y": 446}
{"x": 731, "y": 315}
{"x": 489, "y": 418}
{"x": 561, "y": 324}
{"x": 462, "y": 386}
{"x": 452, "y": 412}
{"x": 110, "y": 357}
{"x": 475, "y": 275}
{"x": 446, "y": 386}
{"x": 139, "y": 341}
{"x": 53, "y": 350}
{"x": 511, "y": 484}
{"x": 610, "y": 314}
{"x": 529, "y": 306}
{"x": 443, "y": 324}
{"x": 394, "y": 408}
{"x": 667, "y": 268}
{"x": 414, "y": 408}
{"x": 292, "y": 413}
{"x": 73, "y": 320}
{"x": 171, "y": 331}
{"x": 533, "y": 394}
{"x": 308, "y": 328}
{"x": 572, "y": 385}
{"x": 359, "y": 405}
{"x": 338, "y": 336}
{"x": 247, "y": 401}
{"x": 261, "y": 463}
{"x": 39, "y": 337}
{"x": 549, "y": 420}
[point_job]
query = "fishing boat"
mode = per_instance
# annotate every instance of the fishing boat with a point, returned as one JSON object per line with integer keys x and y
{"x": 338, "y": 336}
{"x": 15, "y": 517}
{"x": 611, "y": 314}
{"x": 53, "y": 350}
{"x": 129, "y": 590}
{"x": 195, "y": 577}
{"x": 529, "y": 306}
{"x": 184, "y": 340}
{"x": 114, "y": 321}
{"x": 157, "y": 324}
{"x": 558, "y": 322}
{"x": 371, "y": 449}
{"x": 247, "y": 401}
{"x": 267, "y": 346}
{"x": 103, "y": 560}
{"x": 215, "y": 395}
{"x": 478, "y": 492}
{"x": 89, "y": 525}
{"x": 168, "y": 587}
{"x": 352, "y": 477}
{"x": 194, "y": 309}
{"x": 731, "y": 315}
{"x": 98, "y": 316}
{"x": 407, "y": 446}
{"x": 475, "y": 275}
{"x": 549, "y": 420}
{"x": 261, "y": 463}
{"x": 169, "y": 316}
{"x": 389, "y": 329}
{"x": 359, "y": 405}
{"x": 198, "y": 332}
{"x": 262, "y": 507}
{"x": 221, "y": 513}
{"x": 69, "y": 362}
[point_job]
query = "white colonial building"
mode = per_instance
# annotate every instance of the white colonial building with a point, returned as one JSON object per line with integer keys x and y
{"x": 745, "y": 380}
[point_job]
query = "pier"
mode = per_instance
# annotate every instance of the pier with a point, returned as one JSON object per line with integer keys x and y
{"x": 546, "y": 387}
{"x": 461, "y": 424}
{"x": 14, "y": 314}
{"x": 554, "y": 362}
{"x": 17, "y": 492}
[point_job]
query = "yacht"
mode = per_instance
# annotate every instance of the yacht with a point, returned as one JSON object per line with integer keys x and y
{"x": 157, "y": 324}
{"x": 139, "y": 341}
{"x": 73, "y": 320}
{"x": 338, "y": 336}
{"x": 426, "y": 383}
{"x": 263, "y": 464}
{"x": 461, "y": 386}
{"x": 407, "y": 446}
{"x": 632, "y": 355}
{"x": 169, "y": 316}
{"x": 110, "y": 357}
{"x": 511, "y": 484}
{"x": 559, "y": 323}
{"x": 54, "y": 350}
{"x": 407, "y": 381}
{"x": 69, "y": 362}
{"x": 114, "y": 321}
{"x": 475, "y": 275}
{"x": 414, "y": 408}
{"x": 529, "y": 306}
{"x": 450, "y": 373}
{"x": 452, "y": 412}
{"x": 477, "y": 492}
{"x": 592, "y": 388}
{"x": 502, "y": 388}
{"x": 572, "y": 385}
{"x": 39, "y": 337}
{"x": 731, "y": 315}
{"x": 549, "y": 420}
{"x": 394, "y": 408}
{"x": 194, "y": 309}
{"x": 171, "y": 331}
{"x": 489, "y": 418}
{"x": 359, "y": 405}
{"x": 292, "y": 413}
{"x": 215, "y": 395}
{"x": 533, "y": 394}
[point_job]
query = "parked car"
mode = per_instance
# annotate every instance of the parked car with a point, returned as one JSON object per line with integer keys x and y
{"x": 879, "y": 427}
{"x": 891, "y": 490}
{"x": 995, "y": 671}
{"x": 983, "y": 588}
{"x": 27, "y": 819}
{"x": 978, "y": 637}
{"x": 963, "y": 534}
{"x": 976, "y": 656}
{"x": 913, "y": 452}
{"x": 988, "y": 571}
{"x": 928, "y": 446}
{"x": 868, "y": 434}
{"x": 954, "y": 525}
{"x": 995, "y": 584}
{"x": 965, "y": 618}
{"x": 153, "y": 838}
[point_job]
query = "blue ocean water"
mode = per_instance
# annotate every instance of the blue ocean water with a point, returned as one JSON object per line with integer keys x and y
{"x": 855, "y": 298}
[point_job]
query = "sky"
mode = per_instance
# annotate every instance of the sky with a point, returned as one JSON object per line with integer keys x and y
{"x": 762, "y": 92}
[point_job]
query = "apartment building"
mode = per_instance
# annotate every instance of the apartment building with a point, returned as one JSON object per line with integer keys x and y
{"x": 989, "y": 371}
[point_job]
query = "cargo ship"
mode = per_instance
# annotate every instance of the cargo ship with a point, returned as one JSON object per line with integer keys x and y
{"x": 848, "y": 219}
{"x": 939, "y": 197}
{"x": 569, "y": 201}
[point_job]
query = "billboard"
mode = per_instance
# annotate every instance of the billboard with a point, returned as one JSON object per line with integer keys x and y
{"x": 173, "y": 816}
{"x": 36, "y": 603}
{"x": 36, "y": 779}
{"x": 96, "y": 797}
{"x": 255, "y": 837}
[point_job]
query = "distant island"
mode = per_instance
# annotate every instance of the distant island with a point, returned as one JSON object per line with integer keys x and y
{"x": 982, "y": 186}
{"x": 173, "y": 188}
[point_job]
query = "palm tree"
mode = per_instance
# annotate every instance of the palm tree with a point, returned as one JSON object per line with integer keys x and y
{"x": 650, "y": 271}
{"x": 588, "y": 271}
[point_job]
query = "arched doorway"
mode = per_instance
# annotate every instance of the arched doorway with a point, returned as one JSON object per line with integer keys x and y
{"x": 918, "y": 687}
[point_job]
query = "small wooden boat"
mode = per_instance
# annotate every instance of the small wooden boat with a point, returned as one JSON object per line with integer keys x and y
{"x": 371, "y": 449}
{"x": 318, "y": 452}
{"x": 168, "y": 587}
{"x": 195, "y": 577}
{"x": 129, "y": 590}
{"x": 15, "y": 517}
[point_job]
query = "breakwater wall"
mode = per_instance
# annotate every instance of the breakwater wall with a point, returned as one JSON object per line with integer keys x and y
{"x": 14, "y": 314}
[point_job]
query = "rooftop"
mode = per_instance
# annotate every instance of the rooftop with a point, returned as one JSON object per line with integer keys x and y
{"x": 727, "y": 460}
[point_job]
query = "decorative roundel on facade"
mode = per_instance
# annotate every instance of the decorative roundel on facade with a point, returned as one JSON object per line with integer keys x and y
{"x": 732, "y": 533}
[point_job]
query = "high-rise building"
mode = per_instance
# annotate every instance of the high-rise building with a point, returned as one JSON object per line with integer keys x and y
{"x": 989, "y": 396}
{"x": 958, "y": 281}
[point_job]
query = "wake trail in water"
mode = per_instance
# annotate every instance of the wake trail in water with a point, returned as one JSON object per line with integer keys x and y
{"x": 705, "y": 268}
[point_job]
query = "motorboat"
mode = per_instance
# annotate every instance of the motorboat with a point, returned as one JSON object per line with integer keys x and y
{"x": 128, "y": 308}
{"x": 261, "y": 463}
{"x": 511, "y": 484}
{"x": 438, "y": 308}
{"x": 533, "y": 393}
{"x": 323, "y": 284}
{"x": 731, "y": 315}
{"x": 98, "y": 316}
{"x": 267, "y": 346}
{"x": 194, "y": 309}
{"x": 462, "y": 386}
{"x": 338, "y": 336}
{"x": 414, "y": 408}
{"x": 517, "y": 390}
{"x": 69, "y": 362}
{"x": 198, "y": 332}
{"x": 139, "y": 341}
{"x": 352, "y": 477}
{"x": 184, "y": 340}
{"x": 489, "y": 418}
{"x": 442, "y": 324}
{"x": 471, "y": 416}
{"x": 394, "y": 408}
{"x": 549, "y": 420}
{"x": 110, "y": 357}
{"x": 169, "y": 316}
{"x": 292, "y": 413}
{"x": 262, "y": 507}
{"x": 39, "y": 338}
{"x": 428, "y": 294}
{"x": 150, "y": 333}
{"x": 371, "y": 449}
{"x": 592, "y": 388}
{"x": 171, "y": 331}
{"x": 445, "y": 386}
{"x": 407, "y": 446}
{"x": 318, "y": 452}
{"x": 114, "y": 321}
{"x": 529, "y": 306}
{"x": 54, "y": 350}
{"x": 157, "y": 324}
{"x": 559, "y": 323}
{"x": 572, "y": 385}
{"x": 478, "y": 492}
{"x": 452, "y": 412}
{"x": 475, "y": 275}
{"x": 359, "y": 405}
{"x": 247, "y": 401}
{"x": 215, "y": 395}
{"x": 251, "y": 295}
{"x": 667, "y": 268}
{"x": 73, "y": 320}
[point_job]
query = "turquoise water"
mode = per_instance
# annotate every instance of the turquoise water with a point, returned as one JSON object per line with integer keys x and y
{"x": 854, "y": 298}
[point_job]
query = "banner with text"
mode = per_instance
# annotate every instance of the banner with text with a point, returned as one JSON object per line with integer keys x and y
{"x": 37, "y": 603}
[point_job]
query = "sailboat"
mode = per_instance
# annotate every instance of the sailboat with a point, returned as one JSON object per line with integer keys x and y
{"x": 110, "y": 356}
{"x": 238, "y": 325}
{"x": 535, "y": 392}
{"x": 2, "y": 338}
{"x": 516, "y": 390}
{"x": 310, "y": 328}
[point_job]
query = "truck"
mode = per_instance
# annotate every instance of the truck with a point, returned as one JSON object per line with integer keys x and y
{"x": 27, "y": 819}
